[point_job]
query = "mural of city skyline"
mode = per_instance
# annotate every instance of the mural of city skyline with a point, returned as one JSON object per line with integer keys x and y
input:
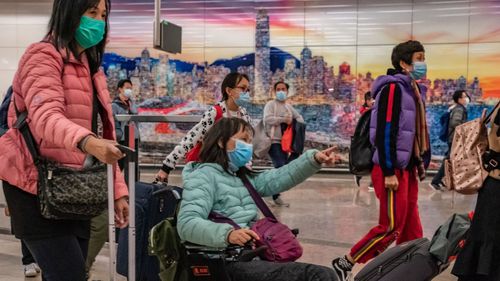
{"x": 309, "y": 45}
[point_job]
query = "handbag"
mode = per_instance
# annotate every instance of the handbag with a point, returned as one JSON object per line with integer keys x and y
{"x": 279, "y": 243}
{"x": 287, "y": 139}
{"x": 261, "y": 141}
{"x": 299, "y": 136}
{"x": 464, "y": 171}
{"x": 65, "y": 193}
{"x": 449, "y": 238}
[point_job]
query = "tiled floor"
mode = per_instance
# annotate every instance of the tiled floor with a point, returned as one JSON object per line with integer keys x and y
{"x": 329, "y": 211}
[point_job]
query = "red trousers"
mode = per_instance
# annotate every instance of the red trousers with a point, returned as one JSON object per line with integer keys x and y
{"x": 398, "y": 217}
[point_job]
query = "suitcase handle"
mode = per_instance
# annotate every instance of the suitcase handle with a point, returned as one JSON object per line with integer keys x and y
{"x": 132, "y": 158}
{"x": 167, "y": 189}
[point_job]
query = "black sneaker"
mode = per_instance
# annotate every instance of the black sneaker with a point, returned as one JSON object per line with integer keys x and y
{"x": 435, "y": 187}
{"x": 343, "y": 268}
{"x": 357, "y": 180}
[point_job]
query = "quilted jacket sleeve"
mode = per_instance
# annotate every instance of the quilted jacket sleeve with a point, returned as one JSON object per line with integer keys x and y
{"x": 197, "y": 201}
{"x": 274, "y": 181}
{"x": 43, "y": 94}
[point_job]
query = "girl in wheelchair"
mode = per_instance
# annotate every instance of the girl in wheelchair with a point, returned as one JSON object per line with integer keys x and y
{"x": 215, "y": 185}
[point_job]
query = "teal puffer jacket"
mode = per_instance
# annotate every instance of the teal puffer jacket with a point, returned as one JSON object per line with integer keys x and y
{"x": 207, "y": 187}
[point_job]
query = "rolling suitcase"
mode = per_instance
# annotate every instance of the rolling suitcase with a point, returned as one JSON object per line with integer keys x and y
{"x": 131, "y": 156}
{"x": 153, "y": 203}
{"x": 410, "y": 261}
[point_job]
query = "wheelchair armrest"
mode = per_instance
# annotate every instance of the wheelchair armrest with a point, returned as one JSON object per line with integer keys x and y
{"x": 202, "y": 248}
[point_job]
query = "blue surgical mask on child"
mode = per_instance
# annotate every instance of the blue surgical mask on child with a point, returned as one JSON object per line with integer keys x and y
{"x": 240, "y": 155}
{"x": 419, "y": 70}
{"x": 281, "y": 95}
{"x": 243, "y": 99}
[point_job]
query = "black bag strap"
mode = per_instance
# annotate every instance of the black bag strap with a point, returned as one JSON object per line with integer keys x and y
{"x": 23, "y": 127}
{"x": 488, "y": 117}
{"x": 258, "y": 199}
{"x": 219, "y": 218}
{"x": 95, "y": 109}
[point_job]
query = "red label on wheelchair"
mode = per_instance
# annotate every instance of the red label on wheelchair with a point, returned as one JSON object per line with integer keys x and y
{"x": 200, "y": 271}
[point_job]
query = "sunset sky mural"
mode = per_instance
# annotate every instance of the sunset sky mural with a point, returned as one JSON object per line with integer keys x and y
{"x": 461, "y": 37}
{"x": 338, "y": 42}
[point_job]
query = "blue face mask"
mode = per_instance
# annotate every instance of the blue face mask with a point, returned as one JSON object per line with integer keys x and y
{"x": 243, "y": 99}
{"x": 281, "y": 95}
{"x": 240, "y": 155}
{"x": 419, "y": 70}
{"x": 90, "y": 32}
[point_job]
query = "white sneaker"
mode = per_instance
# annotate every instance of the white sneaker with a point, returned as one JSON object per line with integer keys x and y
{"x": 31, "y": 270}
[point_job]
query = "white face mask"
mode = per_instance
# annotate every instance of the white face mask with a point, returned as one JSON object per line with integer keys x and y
{"x": 467, "y": 100}
{"x": 128, "y": 93}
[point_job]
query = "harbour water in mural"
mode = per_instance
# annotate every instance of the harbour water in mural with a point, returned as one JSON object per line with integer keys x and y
{"x": 327, "y": 80}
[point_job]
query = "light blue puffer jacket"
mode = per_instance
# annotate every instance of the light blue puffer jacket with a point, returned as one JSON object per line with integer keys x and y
{"x": 207, "y": 187}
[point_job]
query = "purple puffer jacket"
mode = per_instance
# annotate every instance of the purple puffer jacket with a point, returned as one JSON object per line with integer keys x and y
{"x": 407, "y": 118}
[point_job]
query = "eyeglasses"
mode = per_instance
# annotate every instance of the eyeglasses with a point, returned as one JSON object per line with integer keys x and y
{"x": 243, "y": 89}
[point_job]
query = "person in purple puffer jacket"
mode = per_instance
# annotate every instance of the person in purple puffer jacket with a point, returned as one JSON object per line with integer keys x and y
{"x": 399, "y": 133}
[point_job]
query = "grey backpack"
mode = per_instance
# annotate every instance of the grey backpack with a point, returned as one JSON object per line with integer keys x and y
{"x": 449, "y": 237}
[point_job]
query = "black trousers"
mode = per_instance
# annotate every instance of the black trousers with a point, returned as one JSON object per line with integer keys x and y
{"x": 27, "y": 256}
{"x": 280, "y": 159}
{"x": 438, "y": 178}
{"x": 61, "y": 258}
{"x": 271, "y": 271}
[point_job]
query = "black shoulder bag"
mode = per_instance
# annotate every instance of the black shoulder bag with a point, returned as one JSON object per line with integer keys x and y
{"x": 65, "y": 193}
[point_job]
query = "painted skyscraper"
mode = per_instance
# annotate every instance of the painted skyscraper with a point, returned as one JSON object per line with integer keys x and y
{"x": 146, "y": 78}
{"x": 262, "y": 56}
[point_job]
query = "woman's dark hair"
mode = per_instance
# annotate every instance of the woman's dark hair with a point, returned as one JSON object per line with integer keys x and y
{"x": 231, "y": 80}
{"x": 217, "y": 136}
{"x": 368, "y": 96}
{"x": 281, "y": 82}
{"x": 404, "y": 52}
{"x": 457, "y": 95}
{"x": 64, "y": 21}
{"x": 122, "y": 82}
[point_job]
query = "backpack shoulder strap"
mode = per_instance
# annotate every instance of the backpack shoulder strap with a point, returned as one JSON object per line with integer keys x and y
{"x": 487, "y": 119}
{"x": 219, "y": 113}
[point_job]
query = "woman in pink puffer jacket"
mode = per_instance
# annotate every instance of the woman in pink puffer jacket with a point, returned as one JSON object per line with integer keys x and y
{"x": 55, "y": 83}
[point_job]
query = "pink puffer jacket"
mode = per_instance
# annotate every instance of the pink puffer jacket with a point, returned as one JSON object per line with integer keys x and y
{"x": 58, "y": 97}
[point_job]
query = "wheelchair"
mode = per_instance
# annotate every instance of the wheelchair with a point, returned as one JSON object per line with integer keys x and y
{"x": 184, "y": 261}
{"x": 209, "y": 264}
